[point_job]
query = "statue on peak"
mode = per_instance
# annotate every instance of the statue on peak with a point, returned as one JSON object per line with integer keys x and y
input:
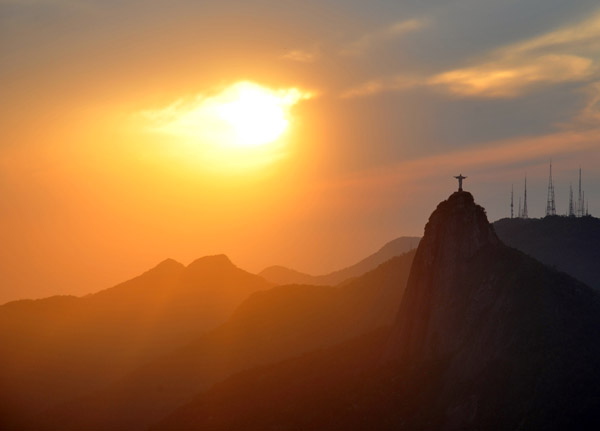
{"x": 460, "y": 179}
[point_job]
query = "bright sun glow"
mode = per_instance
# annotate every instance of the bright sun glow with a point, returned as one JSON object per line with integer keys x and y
{"x": 255, "y": 115}
{"x": 243, "y": 115}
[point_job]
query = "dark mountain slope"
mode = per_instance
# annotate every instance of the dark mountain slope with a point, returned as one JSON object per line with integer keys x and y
{"x": 268, "y": 327}
{"x": 569, "y": 244}
{"x": 57, "y": 348}
{"x": 519, "y": 342}
{"x": 319, "y": 390}
{"x": 282, "y": 275}
{"x": 485, "y": 338}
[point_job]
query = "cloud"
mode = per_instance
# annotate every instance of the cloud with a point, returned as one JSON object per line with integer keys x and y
{"x": 590, "y": 114}
{"x": 376, "y": 86}
{"x": 568, "y": 54}
{"x": 302, "y": 56}
{"x": 368, "y": 88}
{"x": 586, "y": 32}
{"x": 362, "y": 44}
{"x": 509, "y": 78}
{"x": 400, "y": 28}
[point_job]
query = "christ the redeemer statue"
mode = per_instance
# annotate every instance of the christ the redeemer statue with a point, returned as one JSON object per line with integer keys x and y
{"x": 460, "y": 178}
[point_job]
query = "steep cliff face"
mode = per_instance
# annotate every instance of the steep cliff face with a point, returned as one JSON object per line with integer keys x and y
{"x": 457, "y": 230}
{"x": 516, "y": 344}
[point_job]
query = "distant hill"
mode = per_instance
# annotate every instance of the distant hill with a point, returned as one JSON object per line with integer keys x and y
{"x": 269, "y": 326}
{"x": 282, "y": 275}
{"x": 56, "y": 348}
{"x": 485, "y": 338}
{"x": 569, "y": 244}
{"x": 319, "y": 390}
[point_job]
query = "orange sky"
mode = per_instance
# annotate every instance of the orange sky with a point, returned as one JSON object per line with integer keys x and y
{"x": 402, "y": 98}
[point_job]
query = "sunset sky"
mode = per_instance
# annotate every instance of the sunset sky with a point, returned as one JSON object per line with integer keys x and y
{"x": 305, "y": 134}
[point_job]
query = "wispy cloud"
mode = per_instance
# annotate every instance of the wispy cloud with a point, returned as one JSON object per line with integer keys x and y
{"x": 375, "y": 86}
{"x": 570, "y": 53}
{"x": 510, "y": 77}
{"x": 397, "y": 29}
{"x": 302, "y": 55}
{"x": 567, "y": 54}
{"x": 590, "y": 113}
{"x": 368, "y": 88}
{"x": 360, "y": 45}
{"x": 585, "y": 33}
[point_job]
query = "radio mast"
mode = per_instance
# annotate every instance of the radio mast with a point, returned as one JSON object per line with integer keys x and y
{"x": 525, "y": 215}
{"x": 550, "y": 204}
{"x": 512, "y": 203}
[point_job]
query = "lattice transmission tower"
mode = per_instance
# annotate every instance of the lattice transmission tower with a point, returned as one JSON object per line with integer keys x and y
{"x": 571, "y": 206}
{"x": 579, "y": 212}
{"x": 525, "y": 215}
{"x": 512, "y": 201}
{"x": 550, "y": 204}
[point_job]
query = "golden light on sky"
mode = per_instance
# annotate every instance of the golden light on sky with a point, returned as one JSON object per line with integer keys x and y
{"x": 137, "y": 131}
{"x": 240, "y": 124}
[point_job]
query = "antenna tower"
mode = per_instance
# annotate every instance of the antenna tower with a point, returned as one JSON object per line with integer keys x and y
{"x": 512, "y": 204}
{"x": 587, "y": 209}
{"x": 550, "y": 205}
{"x": 519, "y": 214}
{"x": 571, "y": 208}
{"x": 525, "y": 215}
{"x": 579, "y": 199}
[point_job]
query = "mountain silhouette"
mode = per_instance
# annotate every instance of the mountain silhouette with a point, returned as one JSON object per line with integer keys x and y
{"x": 485, "y": 337}
{"x": 569, "y": 244}
{"x": 517, "y": 342}
{"x": 57, "y": 348}
{"x": 282, "y": 275}
{"x": 320, "y": 390}
{"x": 269, "y": 326}
{"x": 457, "y": 230}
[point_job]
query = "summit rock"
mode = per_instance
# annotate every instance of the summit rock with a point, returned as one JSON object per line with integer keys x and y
{"x": 457, "y": 230}
{"x": 514, "y": 344}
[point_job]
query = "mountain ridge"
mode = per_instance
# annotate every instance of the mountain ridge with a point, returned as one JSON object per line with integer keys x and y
{"x": 111, "y": 331}
{"x": 282, "y": 275}
{"x": 486, "y": 337}
{"x": 269, "y": 326}
{"x": 569, "y": 244}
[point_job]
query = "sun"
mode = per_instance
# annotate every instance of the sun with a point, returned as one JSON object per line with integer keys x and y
{"x": 242, "y": 115}
{"x": 235, "y": 128}
{"x": 255, "y": 115}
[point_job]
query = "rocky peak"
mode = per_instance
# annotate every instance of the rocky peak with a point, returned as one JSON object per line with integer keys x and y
{"x": 211, "y": 264}
{"x": 168, "y": 265}
{"x": 500, "y": 340}
{"x": 455, "y": 232}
